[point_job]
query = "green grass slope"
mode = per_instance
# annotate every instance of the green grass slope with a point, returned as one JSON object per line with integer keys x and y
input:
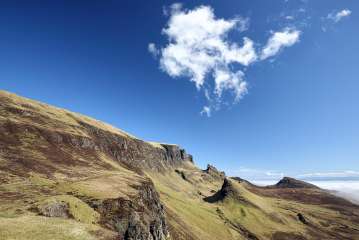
{"x": 248, "y": 212}
{"x": 67, "y": 176}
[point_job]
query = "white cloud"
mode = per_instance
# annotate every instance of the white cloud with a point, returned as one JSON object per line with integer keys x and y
{"x": 336, "y": 17}
{"x": 206, "y": 110}
{"x": 153, "y": 49}
{"x": 199, "y": 48}
{"x": 175, "y": 7}
{"x": 334, "y": 174}
{"x": 198, "y": 45}
{"x": 242, "y": 24}
{"x": 278, "y": 41}
{"x": 226, "y": 79}
{"x": 345, "y": 189}
{"x": 262, "y": 174}
{"x": 343, "y": 183}
{"x": 256, "y": 174}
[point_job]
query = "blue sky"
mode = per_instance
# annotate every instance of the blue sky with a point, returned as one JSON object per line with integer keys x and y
{"x": 296, "y": 112}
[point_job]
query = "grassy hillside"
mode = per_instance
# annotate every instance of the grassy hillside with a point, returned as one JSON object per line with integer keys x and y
{"x": 67, "y": 176}
{"x": 249, "y": 212}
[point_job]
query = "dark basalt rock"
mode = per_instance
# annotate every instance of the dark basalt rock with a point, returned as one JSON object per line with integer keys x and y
{"x": 142, "y": 218}
{"x": 132, "y": 152}
{"x": 65, "y": 145}
{"x": 213, "y": 172}
{"x": 302, "y": 218}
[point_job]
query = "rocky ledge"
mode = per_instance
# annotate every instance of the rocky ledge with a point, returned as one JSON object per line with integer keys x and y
{"x": 213, "y": 172}
{"x": 142, "y": 218}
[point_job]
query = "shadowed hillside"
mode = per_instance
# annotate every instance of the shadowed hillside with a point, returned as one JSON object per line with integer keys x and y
{"x": 67, "y": 176}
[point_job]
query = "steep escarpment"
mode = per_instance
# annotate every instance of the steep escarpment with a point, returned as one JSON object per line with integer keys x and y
{"x": 213, "y": 172}
{"x": 67, "y": 176}
{"x": 66, "y": 160}
{"x": 22, "y": 118}
{"x": 140, "y": 218}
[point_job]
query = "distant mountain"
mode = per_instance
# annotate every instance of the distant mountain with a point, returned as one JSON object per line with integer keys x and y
{"x": 67, "y": 176}
{"x": 288, "y": 182}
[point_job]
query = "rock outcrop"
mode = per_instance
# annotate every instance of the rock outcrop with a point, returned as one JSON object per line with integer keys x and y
{"x": 23, "y": 116}
{"x": 67, "y": 176}
{"x": 227, "y": 191}
{"x": 55, "y": 209}
{"x": 39, "y": 139}
{"x": 302, "y": 218}
{"x": 142, "y": 218}
{"x": 214, "y": 173}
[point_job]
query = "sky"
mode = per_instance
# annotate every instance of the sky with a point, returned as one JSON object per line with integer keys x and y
{"x": 260, "y": 89}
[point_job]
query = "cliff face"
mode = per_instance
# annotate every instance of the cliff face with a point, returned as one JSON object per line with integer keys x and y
{"x": 58, "y": 128}
{"x": 139, "y": 218}
{"x": 65, "y": 151}
{"x": 67, "y": 176}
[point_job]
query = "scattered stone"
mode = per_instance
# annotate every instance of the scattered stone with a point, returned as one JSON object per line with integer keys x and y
{"x": 55, "y": 209}
{"x": 302, "y": 218}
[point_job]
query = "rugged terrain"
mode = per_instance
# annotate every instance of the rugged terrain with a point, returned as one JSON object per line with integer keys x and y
{"x": 67, "y": 176}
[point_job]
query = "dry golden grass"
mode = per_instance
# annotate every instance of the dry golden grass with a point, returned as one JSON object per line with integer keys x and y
{"x": 43, "y": 228}
{"x": 103, "y": 186}
{"x": 56, "y": 118}
{"x": 182, "y": 199}
{"x": 231, "y": 218}
{"x": 64, "y": 172}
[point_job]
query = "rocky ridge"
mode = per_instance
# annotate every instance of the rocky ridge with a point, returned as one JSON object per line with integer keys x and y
{"x": 35, "y": 141}
{"x": 67, "y": 176}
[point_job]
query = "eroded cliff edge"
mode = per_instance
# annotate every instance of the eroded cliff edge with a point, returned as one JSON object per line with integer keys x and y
{"x": 63, "y": 156}
{"x": 67, "y": 176}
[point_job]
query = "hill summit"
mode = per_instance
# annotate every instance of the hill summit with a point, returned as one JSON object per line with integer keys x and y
{"x": 288, "y": 182}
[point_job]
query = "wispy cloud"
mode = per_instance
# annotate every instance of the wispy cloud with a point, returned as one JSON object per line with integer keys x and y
{"x": 333, "y": 174}
{"x": 256, "y": 174}
{"x": 199, "y": 48}
{"x": 265, "y": 174}
{"x": 173, "y": 8}
{"x": 289, "y": 17}
{"x": 278, "y": 41}
{"x": 153, "y": 49}
{"x": 206, "y": 111}
{"x": 343, "y": 183}
{"x": 343, "y": 188}
{"x": 337, "y": 16}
